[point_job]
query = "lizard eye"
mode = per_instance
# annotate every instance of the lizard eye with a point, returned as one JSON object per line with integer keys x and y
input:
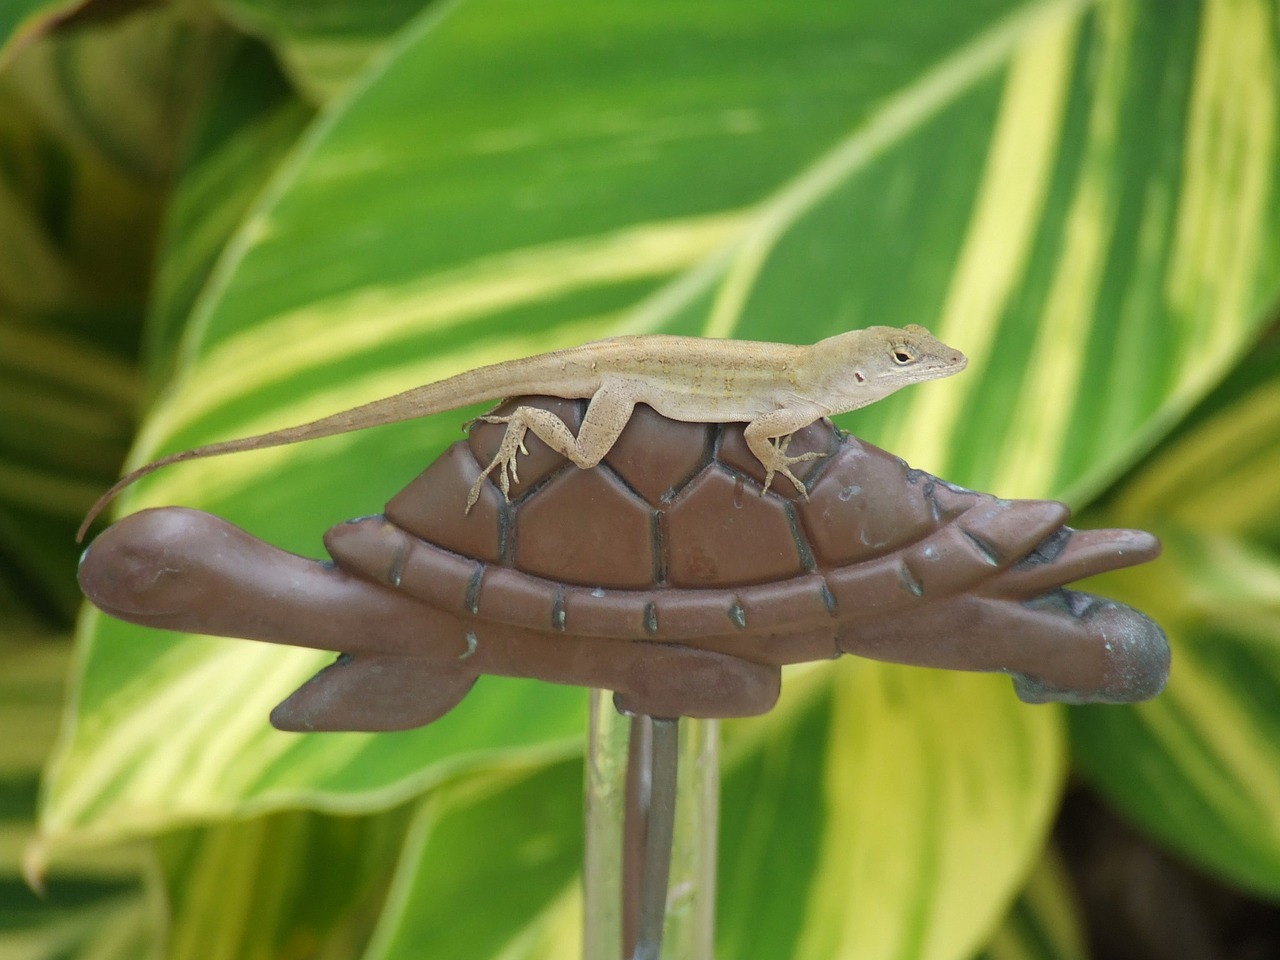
{"x": 902, "y": 355}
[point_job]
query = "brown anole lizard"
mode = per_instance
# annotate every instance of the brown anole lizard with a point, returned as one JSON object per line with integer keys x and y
{"x": 774, "y": 388}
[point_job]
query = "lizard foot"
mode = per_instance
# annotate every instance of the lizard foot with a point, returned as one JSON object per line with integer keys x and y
{"x": 504, "y": 461}
{"x": 779, "y": 462}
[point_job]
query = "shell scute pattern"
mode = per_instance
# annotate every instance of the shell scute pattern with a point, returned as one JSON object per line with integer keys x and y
{"x": 845, "y": 523}
{"x": 680, "y": 544}
{"x": 721, "y": 532}
{"x": 606, "y": 540}
{"x": 541, "y": 463}
{"x": 659, "y": 457}
{"x": 431, "y": 507}
{"x": 732, "y": 451}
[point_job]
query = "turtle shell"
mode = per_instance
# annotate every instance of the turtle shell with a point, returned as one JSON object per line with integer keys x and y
{"x": 671, "y": 539}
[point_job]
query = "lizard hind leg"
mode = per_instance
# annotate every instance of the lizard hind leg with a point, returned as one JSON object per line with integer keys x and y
{"x": 504, "y": 461}
{"x": 607, "y": 414}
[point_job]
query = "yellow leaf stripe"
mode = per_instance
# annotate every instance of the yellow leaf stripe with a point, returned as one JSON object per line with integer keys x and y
{"x": 182, "y": 706}
{"x": 899, "y": 116}
{"x": 915, "y": 804}
{"x": 1225, "y": 192}
{"x": 999, "y": 237}
{"x": 289, "y": 344}
{"x": 1043, "y": 411}
{"x": 1233, "y": 742}
{"x": 1219, "y": 477}
{"x": 201, "y": 480}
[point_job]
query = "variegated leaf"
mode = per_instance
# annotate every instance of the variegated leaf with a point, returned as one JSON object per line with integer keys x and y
{"x": 1081, "y": 196}
{"x": 1045, "y": 923}
{"x": 514, "y": 844}
{"x": 1199, "y": 767}
{"x": 890, "y": 827}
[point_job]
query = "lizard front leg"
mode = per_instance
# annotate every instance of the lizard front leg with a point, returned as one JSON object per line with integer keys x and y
{"x": 769, "y": 435}
{"x": 607, "y": 414}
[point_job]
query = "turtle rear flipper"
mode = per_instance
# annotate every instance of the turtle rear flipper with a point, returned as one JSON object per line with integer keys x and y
{"x": 673, "y": 680}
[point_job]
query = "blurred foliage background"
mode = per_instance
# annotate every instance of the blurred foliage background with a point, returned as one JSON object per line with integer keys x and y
{"x": 221, "y": 216}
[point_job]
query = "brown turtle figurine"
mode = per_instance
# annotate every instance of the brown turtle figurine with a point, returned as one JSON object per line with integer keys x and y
{"x": 663, "y": 574}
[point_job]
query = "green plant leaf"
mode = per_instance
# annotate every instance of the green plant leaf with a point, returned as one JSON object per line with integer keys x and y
{"x": 323, "y": 45}
{"x": 1080, "y": 196}
{"x": 21, "y": 21}
{"x": 246, "y": 122}
{"x": 89, "y": 124}
{"x": 66, "y": 411}
{"x": 513, "y": 846}
{"x": 463, "y": 250}
{"x": 275, "y": 885}
{"x": 1045, "y": 923}
{"x": 213, "y": 697}
{"x": 93, "y": 905}
{"x": 889, "y": 831}
{"x": 1207, "y": 784}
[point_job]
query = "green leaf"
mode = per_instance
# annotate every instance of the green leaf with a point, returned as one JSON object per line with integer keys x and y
{"x": 1208, "y": 782}
{"x": 92, "y": 905}
{"x": 88, "y": 131}
{"x": 1080, "y": 196}
{"x": 66, "y": 412}
{"x": 889, "y": 829}
{"x": 33, "y": 670}
{"x": 490, "y": 869}
{"x": 459, "y": 246}
{"x": 240, "y": 132}
{"x": 105, "y": 922}
{"x": 323, "y": 45}
{"x": 213, "y": 697}
{"x": 275, "y": 885}
{"x": 21, "y": 21}
{"x": 1045, "y": 923}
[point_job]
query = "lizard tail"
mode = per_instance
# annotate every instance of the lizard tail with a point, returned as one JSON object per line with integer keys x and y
{"x": 276, "y": 438}
{"x": 467, "y": 388}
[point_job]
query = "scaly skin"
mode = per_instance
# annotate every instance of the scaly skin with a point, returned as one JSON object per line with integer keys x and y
{"x": 774, "y": 388}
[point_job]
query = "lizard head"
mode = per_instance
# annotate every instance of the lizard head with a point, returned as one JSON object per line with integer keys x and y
{"x": 875, "y": 362}
{"x": 916, "y": 354}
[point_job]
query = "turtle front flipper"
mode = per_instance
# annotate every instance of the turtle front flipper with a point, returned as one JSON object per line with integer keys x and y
{"x": 1064, "y": 646}
{"x": 1130, "y": 648}
{"x": 374, "y": 694}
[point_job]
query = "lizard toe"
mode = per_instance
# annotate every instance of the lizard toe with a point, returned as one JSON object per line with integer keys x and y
{"x": 796, "y": 482}
{"x": 474, "y": 494}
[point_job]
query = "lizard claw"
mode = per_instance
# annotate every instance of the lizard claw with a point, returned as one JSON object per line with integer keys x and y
{"x": 779, "y": 462}
{"x": 504, "y": 461}
{"x": 785, "y": 470}
{"x": 483, "y": 418}
{"x": 507, "y": 473}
